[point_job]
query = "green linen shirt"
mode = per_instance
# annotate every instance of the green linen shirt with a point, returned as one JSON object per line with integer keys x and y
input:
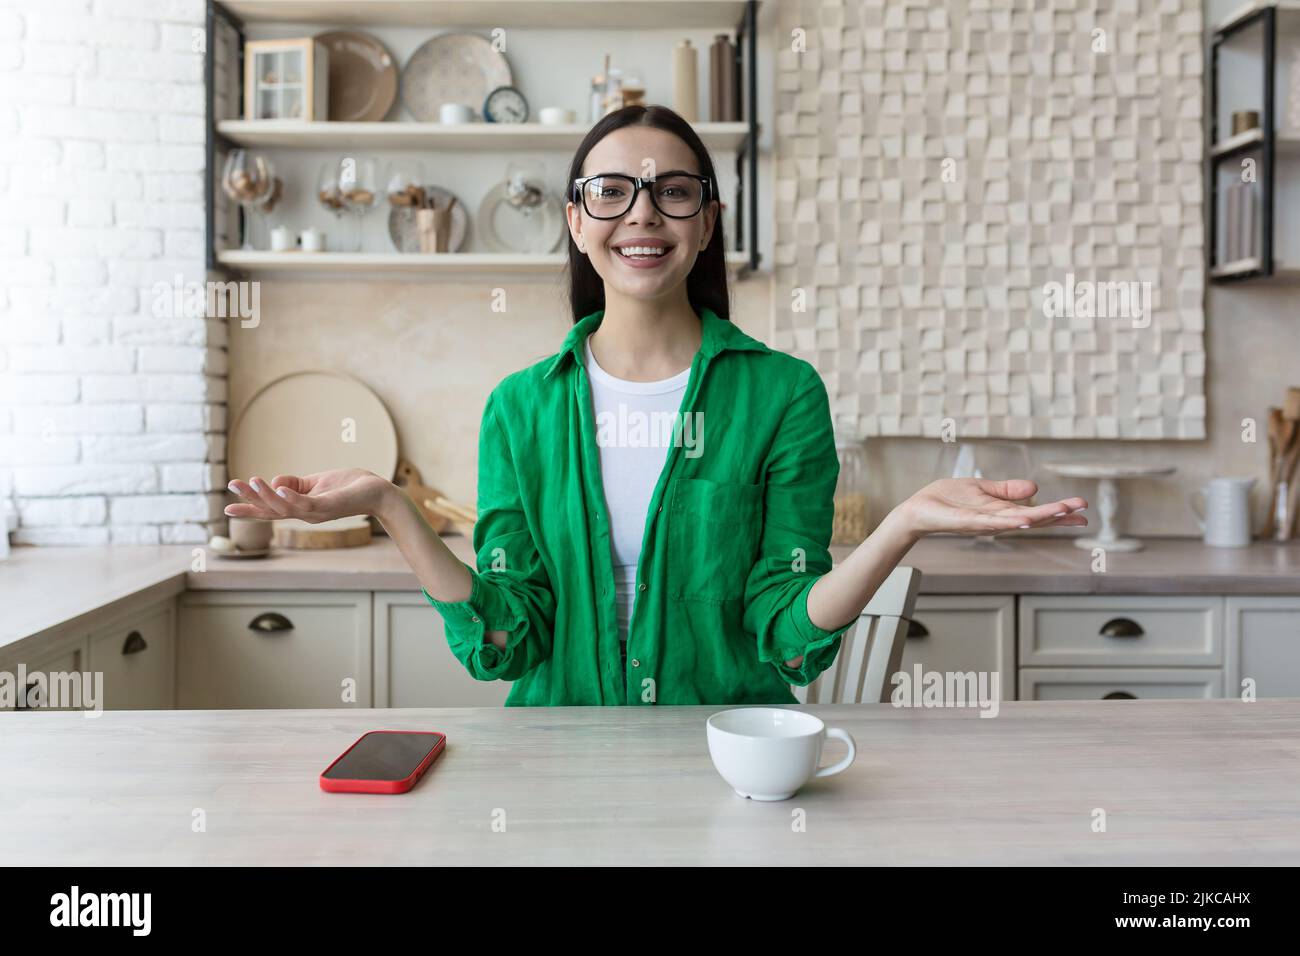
{"x": 735, "y": 536}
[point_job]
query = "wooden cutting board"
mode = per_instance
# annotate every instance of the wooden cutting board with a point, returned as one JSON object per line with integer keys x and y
{"x": 314, "y": 421}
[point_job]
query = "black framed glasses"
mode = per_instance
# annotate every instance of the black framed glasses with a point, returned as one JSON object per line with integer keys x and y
{"x": 611, "y": 195}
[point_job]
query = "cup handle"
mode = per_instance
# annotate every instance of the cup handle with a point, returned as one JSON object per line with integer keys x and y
{"x": 843, "y": 764}
{"x": 1198, "y": 512}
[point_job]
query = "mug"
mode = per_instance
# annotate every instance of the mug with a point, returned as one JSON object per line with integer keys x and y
{"x": 313, "y": 240}
{"x": 452, "y": 113}
{"x": 1225, "y": 522}
{"x": 281, "y": 239}
{"x": 768, "y": 753}
{"x": 251, "y": 534}
{"x": 556, "y": 116}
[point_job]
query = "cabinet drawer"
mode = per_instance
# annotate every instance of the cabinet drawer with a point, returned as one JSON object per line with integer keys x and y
{"x": 964, "y": 633}
{"x": 1118, "y": 631}
{"x": 270, "y": 649}
{"x": 1119, "y": 683}
{"x": 1263, "y": 645}
{"x": 138, "y": 660}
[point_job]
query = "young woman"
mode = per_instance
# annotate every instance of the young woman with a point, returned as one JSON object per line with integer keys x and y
{"x": 655, "y": 500}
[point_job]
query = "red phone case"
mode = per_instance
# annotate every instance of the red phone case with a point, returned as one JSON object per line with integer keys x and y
{"x": 382, "y": 786}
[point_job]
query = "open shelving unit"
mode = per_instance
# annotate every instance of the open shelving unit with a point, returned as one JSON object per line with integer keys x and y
{"x": 1263, "y": 142}
{"x": 233, "y": 16}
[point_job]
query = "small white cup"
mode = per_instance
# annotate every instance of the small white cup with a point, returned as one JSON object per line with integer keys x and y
{"x": 281, "y": 239}
{"x": 313, "y": 240}
{"x": 556, "y": 116}
{"x": 453, "y": 113}
{"x": 768, "y": 753}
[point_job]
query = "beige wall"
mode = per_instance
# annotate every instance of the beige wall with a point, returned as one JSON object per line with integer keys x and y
{"x": 431, "y": 351}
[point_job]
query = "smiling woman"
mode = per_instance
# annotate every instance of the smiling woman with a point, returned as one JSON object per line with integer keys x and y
{"x": 612, "y": 568}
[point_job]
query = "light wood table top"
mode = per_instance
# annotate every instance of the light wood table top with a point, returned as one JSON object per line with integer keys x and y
{"x": 1182, "y": 782}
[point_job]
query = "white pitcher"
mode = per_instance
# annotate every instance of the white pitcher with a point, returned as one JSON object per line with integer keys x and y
{"x": 1225, "y": 521}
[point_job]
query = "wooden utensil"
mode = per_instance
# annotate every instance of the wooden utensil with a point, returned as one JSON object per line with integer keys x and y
{"x": 1276, "y": 426}
{"x": 409, "y": 479}
{"x": 457, "y": 513}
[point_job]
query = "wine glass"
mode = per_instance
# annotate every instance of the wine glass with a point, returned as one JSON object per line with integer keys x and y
{"x": 984, "y": 459}
{"x": 328, "y": 193}
{"x": 249, "y": 179}
{"x": 404, "y": 185}
{"x": 358, "y": 185}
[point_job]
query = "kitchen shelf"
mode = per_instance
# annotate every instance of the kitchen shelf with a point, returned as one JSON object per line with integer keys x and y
{"x": 1264, "y": 143}
{"x": 426, "y": 264}
{"x": 1251, "y": 9}
{"x": 718, "y": 137}
{"x": 1230, "y": 270}
{"x": 534, "y": 14}
{"x": 1243, "y": 142}
{"x": 231, "y": 18}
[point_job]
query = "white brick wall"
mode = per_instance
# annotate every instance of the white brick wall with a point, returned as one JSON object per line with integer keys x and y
{"x": 112, "y": 419}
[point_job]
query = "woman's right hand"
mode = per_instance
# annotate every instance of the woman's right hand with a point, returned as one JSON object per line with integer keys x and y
{"x": 313, "y": 498}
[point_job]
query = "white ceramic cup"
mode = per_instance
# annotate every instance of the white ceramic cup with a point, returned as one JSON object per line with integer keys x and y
{"x": 281, "y": 239}
{"x": 556, "y": 116}
{"x": 313, "y": 240}
{"x": 768, "y": 753}
{"x": 455, "y": 113}
{"x": 1225, "y": 522}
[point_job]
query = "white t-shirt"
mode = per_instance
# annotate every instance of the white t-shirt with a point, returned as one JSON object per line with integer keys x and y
{"x": 634, "y": 431}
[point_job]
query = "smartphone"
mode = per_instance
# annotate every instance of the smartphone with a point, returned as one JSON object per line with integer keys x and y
{"x": 383, "y": 761}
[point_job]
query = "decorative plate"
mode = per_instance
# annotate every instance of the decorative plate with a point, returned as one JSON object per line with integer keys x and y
{"x": 405, "y": 235}
{"x": 363, "y": 77}
{"x": 452, "y": 68}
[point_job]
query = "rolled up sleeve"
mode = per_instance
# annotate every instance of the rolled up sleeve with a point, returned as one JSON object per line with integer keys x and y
{"x": 510, "y": 588}
{"x": 798, "y": 513}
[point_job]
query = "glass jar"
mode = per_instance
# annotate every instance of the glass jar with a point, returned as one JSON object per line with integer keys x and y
{"x": 852, "y": 518}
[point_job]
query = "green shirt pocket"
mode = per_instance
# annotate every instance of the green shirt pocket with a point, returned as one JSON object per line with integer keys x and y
{"x": 713, "y": 535}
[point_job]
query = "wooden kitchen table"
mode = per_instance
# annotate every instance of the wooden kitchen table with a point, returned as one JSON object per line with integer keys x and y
{"x": 1181, "y": 782}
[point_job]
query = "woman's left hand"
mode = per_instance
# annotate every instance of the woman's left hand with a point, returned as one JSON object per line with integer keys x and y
{"x": 982, "y": 506}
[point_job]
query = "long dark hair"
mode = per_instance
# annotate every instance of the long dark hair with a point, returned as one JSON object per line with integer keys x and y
{"x": 706, "y": 286}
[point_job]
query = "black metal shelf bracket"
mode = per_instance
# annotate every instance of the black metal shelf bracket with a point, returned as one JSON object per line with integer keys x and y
{"x": 1266, "y": 145}
{"x": 747, "y": 155}
{"x": 212, "y": 139}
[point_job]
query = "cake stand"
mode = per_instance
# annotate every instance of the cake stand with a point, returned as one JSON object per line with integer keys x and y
{"x": 1109, "y": 536}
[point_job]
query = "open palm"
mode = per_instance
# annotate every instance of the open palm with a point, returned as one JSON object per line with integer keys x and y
{"x": 322, "y": 496}
{"x": 983, "y": 506}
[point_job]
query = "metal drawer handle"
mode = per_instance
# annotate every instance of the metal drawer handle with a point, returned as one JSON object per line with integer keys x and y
{"x": 1120, "y": 695}
{"x": 270, "y": 622}
{"x": 1121, "y": 627}
{"x": 134, "y": 644}
{"x": 916, "y": 629}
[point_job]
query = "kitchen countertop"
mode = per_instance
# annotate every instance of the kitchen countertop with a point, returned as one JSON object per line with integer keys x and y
{"x": 1209, "y": 782}
{"x": 44, "y": 587}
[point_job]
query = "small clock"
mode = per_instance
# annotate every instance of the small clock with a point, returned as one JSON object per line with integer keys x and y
{"x": 505, "y": 104}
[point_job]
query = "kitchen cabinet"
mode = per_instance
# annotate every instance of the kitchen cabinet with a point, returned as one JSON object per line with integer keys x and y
{"x": 963, "y": 633}
{"x": 60, "y": 654}
{"x": 137, "y": 656}
{"x": 413, "y": 664}
{"x": 271, "y": 649}
{"x": 1119, "y": 683}
{"x": 1263, "y": 645}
